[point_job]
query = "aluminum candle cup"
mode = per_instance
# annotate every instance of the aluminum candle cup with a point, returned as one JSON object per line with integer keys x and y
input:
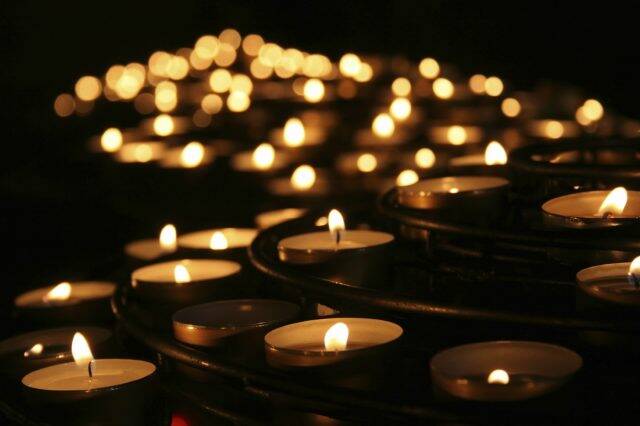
{"x": 27, "y": 352}
{"x": 227, "y": 243}
{"x": 120, "y": 392}
{"x": 503, "y": 370}
{"x": 360, "y": 258}
{"x": 581, "y": 210}
{"x": 301, "y": 347}
{"x": 237, "y": 325}
{"x": 271, "y": 218}
{"x": 464, "y": 194}
{"x": 199, "y": 280}
{"x": 611, "y": 283}
{"x": 67, "y": 303}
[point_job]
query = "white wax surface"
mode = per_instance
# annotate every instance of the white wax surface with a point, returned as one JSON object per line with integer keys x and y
{"x": 586, "y": 205}
{"x": 71, "y": 377}
{"x": 80, "y": 291}
{"x": 236, "y": 237}
{"x": 147, "y": 249}
{"x": 171, "y": 158}
{"x": 462, "y": 183}
{"x": 324, "y": 241}
{"x": 199, "y": 270}
{"x": 243, "y": 161}
{"x": 274, "y": 217}
{"x": 127, "y": 154}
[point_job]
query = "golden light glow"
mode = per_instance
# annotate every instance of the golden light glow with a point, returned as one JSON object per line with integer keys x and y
{"x": 211, "y": 104}
{"x": 143, "y": 153}
{"x": 313, "y": 90}
{"x": 322, "y": 221}
{"x": 58, "y": 293}
{"x": 581, "y": 118}
{"x": 111, "y": 140}
{"x": 303, "y": 178}
{"x": 383, "y": 125}
{"x": 35, "y": 350}
{"x": 443, "y": 88}
{"x": 163, "y": 125}
{"x": 614, "y": 203}
{"x": 294, "y": 133}
{"x": 207, "y": 47}
{"x": 498, "y": 377}
{"x": 633, "y": 274}
{"x": 367, "y": 163}
{"x": 400, "y": 109}
{"x": 166, "y": 96}
{"x": 251, "y": 44}
{"x": 476, "y": 83}
{"x": 401, "y": 86}
{"x": 192, "y": 155}
{"x": 226, "y": 56}
{"x": 593, "y": 110}
{"x": 88, "y": 88}
{"x": 181, "y": 274}
{"x": 231, "y": 37}
{"x": 270, "y": 54}
{"x": 350, "y": 64}
{"x": 238, "y": 102}
{"x": 429, "y": 68}
{"x": 177, "y": 68}
{"x": 259, "y": 70}
{"x": 168, "y": 238}
{"x": 336, "y": 224}
{"x": 316, "y": 66}
{"x": 407, "y": 177}
{"x": 495, "y": 154}
{"x": 453, "y": 190}
{"x": 364, "y": 74}
{"x": 241, "y": 83}
{"x": 80, "y": 350}
{"x": 456, "y": 135}
{"x": 493, "y": 86}
{"x": 336, "y": 337}
{"x": 220, "y": 80}
{"x": 510, "y": 107}
{"x": 425, "y": 158}
{"x": 554, "y": 129}
{"x": 218, "y": 241}
{"x": 263, "y": 156}
{"x": 64, "y": 105}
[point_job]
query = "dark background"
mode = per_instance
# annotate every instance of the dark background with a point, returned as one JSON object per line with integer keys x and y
{"x": 54, "y": 216}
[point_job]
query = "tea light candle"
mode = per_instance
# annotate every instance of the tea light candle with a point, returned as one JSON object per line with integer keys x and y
{"x": 153, "y": 248}
{"x": 121, "y": 384}
{"x": 328, "y": 341}
{"x": 617, "y": 283}
{"x": 382, "y": 133}
{"x": 553, "y": 129}
{"x": 192, "y": 155}
{"x": 186, "y": 281}
{"x": 593, "y": 209}
{"x": 263, "y": 159}
{"x": 361, "y": 162}
{"x": 67, "y": 302}
{"x": 305, "y": 181}
{"x": 455, "y": 135}
{"x": 503, "y": 370}
{"x": 295, "y": 134}
{"x": 494, "y": 154}
{"x": 27, "y": 352}
{"x": 166, "y": 125}
{"x": 218, "y": 239}
{"x": 354, "y": 256}
{"x": 140, "y": 152}
{"x": 211, "y": 324}
{"x": 470, "y": 192}
{"x": 271, "y": 218}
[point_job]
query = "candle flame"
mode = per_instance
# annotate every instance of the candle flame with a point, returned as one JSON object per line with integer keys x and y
{"x": 263, "y": 156}
{"x": 554, "y": 129}
{"x": 456, "y": 135}
{"x": 192, "y": 154}
{"x": 407, "y": 177}
{"x": 35, "y": 350}
{"x": 313, "y": 90}
{"x": 336, "y": 337}
{"x": 350, "y": 64}
{"x": 294, "y": 132}
{"x": 614, "y": 203}
{"x": 303, "y": 177}
{"x": 425, "y": 158}
{"x": 181, "y": 274}
{"x": 443, "y": 88}
{"x": 453, "y": 190}
{"x": 111, "y": 140}
{"x": 383, "y": 125}
{"x": 634, "y": 273}
{"x": 495, "y": 154}
{"x": 499, "y": 377}
{"x": 400, "y": 109}
{"x": 336, "y": 224}
{"x": 163, "y": 125}
{"x": 168, "y": 237}
{"x": 60, "y": 292}
{"x": 80, "y": 350}
{"x": 218, "y": 241}
{"x": 367, "y": 163}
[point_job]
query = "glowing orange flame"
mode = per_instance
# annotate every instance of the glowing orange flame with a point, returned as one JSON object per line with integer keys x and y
{"x": 181, "y": 274}
{"x": 218, "y": 241}
{"x": 80, "y": 350}
{"x": 495, "y": 154}
{"x": 499, "y": 377}
{"x": 168, "y": 237}
{"x": 60, "y": 292}
{"x": 614, "y": 203}
{"x": 336, "y": 337}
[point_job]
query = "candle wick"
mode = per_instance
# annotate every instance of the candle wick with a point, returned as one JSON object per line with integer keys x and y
{"x": 90, "y": 368}
{"x": 607, "y": 215}
{"x": 338, "y": 236}
{"x": 634, "y": 280}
